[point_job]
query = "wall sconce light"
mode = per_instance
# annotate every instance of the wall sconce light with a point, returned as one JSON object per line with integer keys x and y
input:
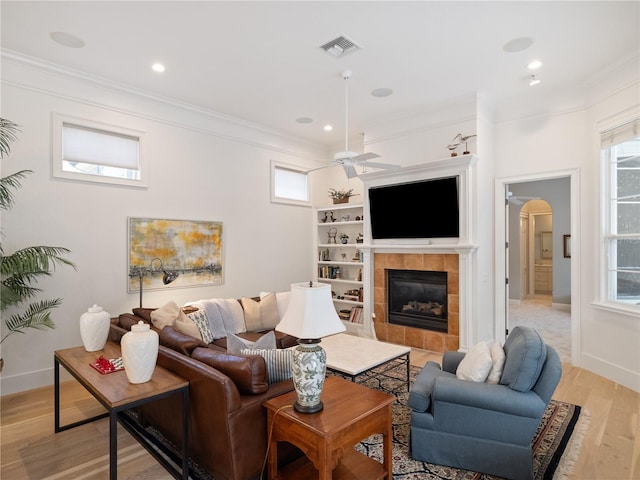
{"x": 168, "y": 276}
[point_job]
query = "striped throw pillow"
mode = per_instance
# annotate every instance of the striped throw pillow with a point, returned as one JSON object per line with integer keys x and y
{"x": 278, "y": 362}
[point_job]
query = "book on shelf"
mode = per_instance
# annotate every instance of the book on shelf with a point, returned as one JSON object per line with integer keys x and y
{"x": 356, "y": 315}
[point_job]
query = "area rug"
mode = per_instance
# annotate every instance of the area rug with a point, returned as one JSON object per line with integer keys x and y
{"x": 551, "y": 456}
{"x": 554, "y": 449}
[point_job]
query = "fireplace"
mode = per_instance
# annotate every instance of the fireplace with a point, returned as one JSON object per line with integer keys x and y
{"x": 418, "y": 298}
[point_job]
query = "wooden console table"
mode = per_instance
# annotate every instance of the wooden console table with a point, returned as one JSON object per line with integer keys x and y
{"x": 351, "y": 413}
{"x": 116, "y": 394}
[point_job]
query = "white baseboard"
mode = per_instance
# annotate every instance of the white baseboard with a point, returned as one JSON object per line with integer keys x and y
{"x": 565, "y": 307}
{"x": 613, "y": 372}
{"x": 29, "y": 381}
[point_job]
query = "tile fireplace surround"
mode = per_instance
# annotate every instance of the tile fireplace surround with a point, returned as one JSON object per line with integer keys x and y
{"x": 417, "y": 337}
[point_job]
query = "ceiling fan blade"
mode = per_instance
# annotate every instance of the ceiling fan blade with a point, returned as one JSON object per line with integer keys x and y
{"x": 386, "y": 166}
{"x": 350, "y": 171}
{"x": 365, "y": 156}
{"x": 321, "y": 168}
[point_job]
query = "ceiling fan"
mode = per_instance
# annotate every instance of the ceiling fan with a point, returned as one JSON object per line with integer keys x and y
{"x": 518, "y": 199}
{"x": 349, "y": 159}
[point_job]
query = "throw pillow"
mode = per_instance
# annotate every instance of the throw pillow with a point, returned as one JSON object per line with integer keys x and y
{"x": 200, "y": 319}
{"x": 185, "y": 325}
{"x": 269, "y": 316}
{"x": 235, "y": 344}
{"x": 497, "y": 363}
{"x": 476, "y": 364}
{"x": 165, "y": 315}
{"x": 282, "y": 298}
{"x": 251, "y": 314}
{"x": 262, "y": 315}
{"x": 278, "y": 363}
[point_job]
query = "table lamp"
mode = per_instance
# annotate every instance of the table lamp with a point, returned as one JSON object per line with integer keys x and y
{"x": 310, "y": 316}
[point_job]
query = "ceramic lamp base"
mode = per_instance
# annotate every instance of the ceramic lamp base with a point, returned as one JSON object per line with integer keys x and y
{"x": 308, "y": 372}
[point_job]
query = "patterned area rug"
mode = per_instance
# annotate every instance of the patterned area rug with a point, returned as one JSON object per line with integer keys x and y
{"x": 549, "y": 444}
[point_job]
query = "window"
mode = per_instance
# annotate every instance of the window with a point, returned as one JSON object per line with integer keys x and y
{"x": 289, "y": 185}
{"x": 97, "y": 152}
{"x": 621, "y": 171}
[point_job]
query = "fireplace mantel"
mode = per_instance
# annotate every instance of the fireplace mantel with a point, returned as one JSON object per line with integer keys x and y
{"x": 464, "y": 246}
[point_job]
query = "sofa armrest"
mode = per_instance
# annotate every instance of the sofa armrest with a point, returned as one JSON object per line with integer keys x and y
{"x": 480, "y": 395}
{"x": 451, "y": 360}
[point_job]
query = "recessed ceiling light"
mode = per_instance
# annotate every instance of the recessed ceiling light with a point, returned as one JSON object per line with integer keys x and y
{"x": 304, "y": 120}
{"x": 67, "y": 40}
{"x": 382, "y": 92}
{"x": 517, "y": 44}
{"x": 158, "y": 67}
{"x": 533, "y": 81}
{"x": 534, "y": 65}
{"x": 328, "y": 128}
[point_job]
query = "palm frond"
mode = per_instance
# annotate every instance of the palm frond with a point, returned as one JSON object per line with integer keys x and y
{"x": 32, "y": 260}
{"x": 8, "y": 133}
{"x": 37, "y": 316}
{"x": 8, "y": 185}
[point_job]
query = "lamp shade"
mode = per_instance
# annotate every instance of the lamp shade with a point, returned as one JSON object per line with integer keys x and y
{"x": 311, "y": 313}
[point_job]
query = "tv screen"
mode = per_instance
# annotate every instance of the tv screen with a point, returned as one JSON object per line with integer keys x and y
{"x": 422, "y": 209}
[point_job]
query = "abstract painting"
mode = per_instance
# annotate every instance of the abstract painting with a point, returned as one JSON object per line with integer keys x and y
{"x": 191, "y": 249}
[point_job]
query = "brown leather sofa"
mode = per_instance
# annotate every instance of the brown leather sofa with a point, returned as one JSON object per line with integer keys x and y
{"x": 228, "y": 424}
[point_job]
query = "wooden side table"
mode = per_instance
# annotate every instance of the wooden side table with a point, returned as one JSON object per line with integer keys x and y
{"x": 116, "y": 394}
{"x": 351, "y": 413}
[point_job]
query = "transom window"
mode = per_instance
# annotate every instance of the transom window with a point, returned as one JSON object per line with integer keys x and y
{"x": 621, "y": 164}
{"x": 93, "y": 151}
{"x": 289, "y": 184}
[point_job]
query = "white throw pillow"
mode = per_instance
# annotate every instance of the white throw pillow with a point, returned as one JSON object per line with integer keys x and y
{"x": 476, "y": 364}
{"x": 497, "y": 363}
{"x": 278, "y": 363}
{"x": 266, "y": 342}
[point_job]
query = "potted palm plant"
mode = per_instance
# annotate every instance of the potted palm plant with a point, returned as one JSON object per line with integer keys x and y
{"x": 20, "y": 269}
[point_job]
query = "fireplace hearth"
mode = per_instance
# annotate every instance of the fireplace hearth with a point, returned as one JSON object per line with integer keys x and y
{"x": 418, "y": 298}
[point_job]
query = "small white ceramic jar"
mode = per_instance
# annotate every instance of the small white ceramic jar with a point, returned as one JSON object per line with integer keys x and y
{"x": 94, "y": 328}
{"x": 139, "y": 352}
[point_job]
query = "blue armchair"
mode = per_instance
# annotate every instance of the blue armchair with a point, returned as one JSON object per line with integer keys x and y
{"x": 484, "y": 427}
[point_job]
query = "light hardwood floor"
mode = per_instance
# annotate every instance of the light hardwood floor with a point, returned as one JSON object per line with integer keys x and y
{"x": 30, "y": 450}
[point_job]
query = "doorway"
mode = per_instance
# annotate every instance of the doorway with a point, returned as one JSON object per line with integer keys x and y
{"x": 539, "y": 291}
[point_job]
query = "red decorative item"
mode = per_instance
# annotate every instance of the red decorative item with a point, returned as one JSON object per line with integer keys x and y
{"x": 104, "y": 365}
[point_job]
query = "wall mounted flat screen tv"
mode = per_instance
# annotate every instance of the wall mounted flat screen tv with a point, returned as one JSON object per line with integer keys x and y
{"x": 422, "y": 209}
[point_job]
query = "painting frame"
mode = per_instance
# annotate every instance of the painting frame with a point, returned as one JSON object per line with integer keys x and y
{"x": 191, "y": 248}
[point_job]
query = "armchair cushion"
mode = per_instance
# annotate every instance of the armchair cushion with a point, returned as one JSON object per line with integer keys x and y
{"x": 525, "y": 355}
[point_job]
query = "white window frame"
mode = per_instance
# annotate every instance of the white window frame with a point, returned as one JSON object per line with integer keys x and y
{"x": 610, "y": 137}
{"x": 59, "y": 121}
{"x": 296, "y": 169}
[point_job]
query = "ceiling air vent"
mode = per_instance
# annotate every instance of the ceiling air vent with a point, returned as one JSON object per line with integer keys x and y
{"x": 340, "y": 46}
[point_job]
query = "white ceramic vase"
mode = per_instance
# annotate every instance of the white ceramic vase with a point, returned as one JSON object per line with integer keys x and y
{"x": 139, "y": 352}
{"x": 94, "y": 328}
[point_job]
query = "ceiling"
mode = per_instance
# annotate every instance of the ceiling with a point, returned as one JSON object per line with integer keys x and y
{"x": 261, "y": 61}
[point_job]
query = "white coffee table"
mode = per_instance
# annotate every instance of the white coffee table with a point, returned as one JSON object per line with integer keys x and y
{"x": 353, "y": 356}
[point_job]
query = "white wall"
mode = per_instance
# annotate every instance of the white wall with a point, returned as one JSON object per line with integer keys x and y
{"x": 607, "y": 340}
{"x": 202, "y": 168}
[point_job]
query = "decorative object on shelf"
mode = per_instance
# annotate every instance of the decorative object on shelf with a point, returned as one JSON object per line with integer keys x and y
{"x": 455, "y": 143}
{"x": 331, "y": 217}
{"x": 344, "y": 238}
{"x": 333, "y": 231}
{"x": 357, "y": 218}
{"x": 356, "y": 256}
{"x": 309, "y": 317}
{"x": 360, "y": 238}
{"x": 94, "y": 328}
{"x": 326, "y": 255}
{"x": 344, "y": 257}
{"x": 326, "y": 218}
{"x": 168, "y": 276}
{"x": 189, "y": 247}
{"x": 345, "y": 218}
{"x": 342, "y": 195}
{"x": 139, "y": 352}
